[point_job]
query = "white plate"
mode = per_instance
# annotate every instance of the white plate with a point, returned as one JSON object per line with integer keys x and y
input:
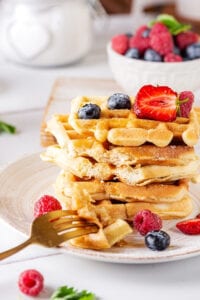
{"x": 24, "y": 181}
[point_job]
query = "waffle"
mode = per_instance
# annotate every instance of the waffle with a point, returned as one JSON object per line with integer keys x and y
{"x": 121, "y": 127}
{"x": 108, "y": 211}
{"x": 133, "y": 175}
{"x": 81, "y": 145}
{"x": 100, "y": 190}
{"x": 108, "y": 234}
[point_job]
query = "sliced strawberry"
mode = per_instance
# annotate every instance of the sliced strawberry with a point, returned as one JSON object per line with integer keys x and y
{"x": 185, "y": 102}
{"x": 156, "y": 103}
{"x": 191, "y": 226}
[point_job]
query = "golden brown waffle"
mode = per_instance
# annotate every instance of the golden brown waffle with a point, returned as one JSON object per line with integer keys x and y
{"x": 80, "y": 145}
{"x": 100, "y": 190}
{"x": 133, "y": 175}
{"x": 122, "y": 128}
{"x": 108, "y": 210}
{"x": 108, "y": 235}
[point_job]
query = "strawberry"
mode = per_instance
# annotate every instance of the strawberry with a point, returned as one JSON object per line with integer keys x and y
{"x": 186, "y": 100}
{"x": 191, "y": 226}
{"x": 156, "y": 103}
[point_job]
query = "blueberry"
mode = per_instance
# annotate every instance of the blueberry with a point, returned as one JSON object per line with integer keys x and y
{"x": 146, "y": 33}
{"x": 119, "y": 101}
{"x": 177, "y": 50}
{"x": 151, "y": 55}
{"x": 157, "y": 240}
{"x": 89, "y": 111}
{"x": 132, "y": 53}
{"x": 193, "y": 51}
{"x": 129, "y": 35}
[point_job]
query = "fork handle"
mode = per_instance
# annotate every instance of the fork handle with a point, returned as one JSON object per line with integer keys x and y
{"x": 16, "y": 249}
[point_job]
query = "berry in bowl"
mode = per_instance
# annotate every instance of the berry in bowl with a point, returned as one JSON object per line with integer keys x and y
{"x": 164, "y": 52}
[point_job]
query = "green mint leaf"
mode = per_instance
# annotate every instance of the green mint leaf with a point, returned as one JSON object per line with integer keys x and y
{"x": 174, "y": 26}
{"x": 4, "y": 127}
{"x": 180, "y": 28}
{"x": 69, "y": 293}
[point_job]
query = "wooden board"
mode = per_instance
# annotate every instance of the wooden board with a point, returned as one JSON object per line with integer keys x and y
{"x": 64, "y": 90}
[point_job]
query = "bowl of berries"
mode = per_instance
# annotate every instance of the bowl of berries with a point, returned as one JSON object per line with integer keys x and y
{"x": 164, "y": 52}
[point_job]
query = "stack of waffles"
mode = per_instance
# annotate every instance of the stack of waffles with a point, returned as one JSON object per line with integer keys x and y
{"x": 117, "y": 164}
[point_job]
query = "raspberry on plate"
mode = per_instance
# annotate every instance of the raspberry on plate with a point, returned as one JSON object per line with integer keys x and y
{"x": 145, "y": 221}
{"x": 185, "y": 39}
{"x": 172, "y": 57}
{"x": 31, "y": 282}
{"x": 156, "y": 103}
{"x": 45, "y": 204}
{"x": 120, "y": 43}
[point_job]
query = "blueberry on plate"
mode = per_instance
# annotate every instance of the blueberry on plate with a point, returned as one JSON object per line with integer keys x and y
{"x": 152, "y": 55}
{"x": 119, "y": 101}
{"x": 89, "y": 111}
{"x": 132, "y": 53}
{"x": 192, "y": 51}
{"x": 157, "y": 240}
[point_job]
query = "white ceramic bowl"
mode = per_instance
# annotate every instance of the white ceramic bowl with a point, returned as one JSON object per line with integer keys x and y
{"x": 132, "y": 74}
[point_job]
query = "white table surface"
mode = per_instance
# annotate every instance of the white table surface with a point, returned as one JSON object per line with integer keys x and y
{"x": 23, "y": 95}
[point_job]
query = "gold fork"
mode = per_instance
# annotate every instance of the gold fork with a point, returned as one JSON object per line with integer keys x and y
{"x": 54, "y": 228}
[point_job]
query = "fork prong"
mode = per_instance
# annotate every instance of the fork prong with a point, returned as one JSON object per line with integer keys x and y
{"x": 78, "y": 232}
{"x": 50, "y": 216}
{"x": 68, "y": 225}
{"x": 66, "y": 219}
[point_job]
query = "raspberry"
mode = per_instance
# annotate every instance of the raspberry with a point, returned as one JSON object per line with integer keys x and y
{"x": 145, "y": 221}
{"x": 185, "y": 107}
{"x": 45, "y": 204}
{"x": 139, "y": 43}
{"x": 120, "y": 43}
{"x": 141, "y": 30}
{"x": 172, "y": 57}
{"x": 31, "y": 282}
{"x": 158, "y": 28}
{"x": 185, "y": 39}
{"x": 162, "y": 42}
{"x": 139, "y": 40}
